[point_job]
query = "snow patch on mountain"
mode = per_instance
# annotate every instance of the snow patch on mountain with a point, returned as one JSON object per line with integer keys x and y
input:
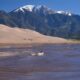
{"x": 32, "y": 8}
{"x": 26, "y": 7}
{"x": 63, "y": 12}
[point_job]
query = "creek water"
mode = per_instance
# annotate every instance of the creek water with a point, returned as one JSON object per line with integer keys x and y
{"x": 59, "y": 62}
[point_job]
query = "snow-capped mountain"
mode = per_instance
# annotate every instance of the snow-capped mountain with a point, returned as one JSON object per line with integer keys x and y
{"x": 30, "y": 8}
{"x": 40, "y": 8}
{"x": 35, "y": 9}
{"x": 44, "y": 20}
{"x": 26, "y": 7}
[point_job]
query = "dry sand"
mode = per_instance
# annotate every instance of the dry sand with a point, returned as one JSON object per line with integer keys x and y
{"x": 16, "y": 35}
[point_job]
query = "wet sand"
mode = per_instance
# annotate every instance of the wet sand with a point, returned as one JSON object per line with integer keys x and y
{"x": 60, "y": 62}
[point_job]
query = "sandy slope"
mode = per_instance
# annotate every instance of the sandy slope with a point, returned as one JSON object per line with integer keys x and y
{"x": 17, "y": 35}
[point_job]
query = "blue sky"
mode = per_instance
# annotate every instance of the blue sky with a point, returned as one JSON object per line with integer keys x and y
{"x": 66, "y": 5}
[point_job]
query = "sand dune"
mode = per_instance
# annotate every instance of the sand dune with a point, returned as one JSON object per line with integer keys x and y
{"x": 18, "y": 35}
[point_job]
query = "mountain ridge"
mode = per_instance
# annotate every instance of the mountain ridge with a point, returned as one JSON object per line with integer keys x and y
{"x": 45, "y": 21}
{"x": 33, "y": 8}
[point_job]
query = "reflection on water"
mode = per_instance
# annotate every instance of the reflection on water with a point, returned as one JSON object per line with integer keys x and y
{"x": 59, "y": 62}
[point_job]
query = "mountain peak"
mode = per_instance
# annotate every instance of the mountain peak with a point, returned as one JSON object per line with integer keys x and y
{"x": 26, "y": 7}
{"x": 30, "y": 8}
{"x": 40, "y": 8}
